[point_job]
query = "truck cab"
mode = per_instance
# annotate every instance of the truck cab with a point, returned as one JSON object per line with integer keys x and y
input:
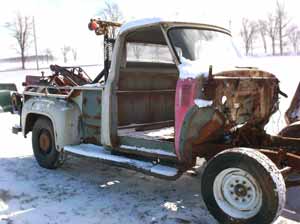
{"x": 170, "y": 92}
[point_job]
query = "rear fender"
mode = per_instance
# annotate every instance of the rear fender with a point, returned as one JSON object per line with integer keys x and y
{"x": 64, "y": 115}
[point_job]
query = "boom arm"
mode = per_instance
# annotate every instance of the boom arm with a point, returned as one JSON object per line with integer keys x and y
{"x": 108, "y": 29}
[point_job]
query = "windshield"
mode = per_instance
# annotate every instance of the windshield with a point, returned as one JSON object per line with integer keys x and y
{"x": 206, "y": 46}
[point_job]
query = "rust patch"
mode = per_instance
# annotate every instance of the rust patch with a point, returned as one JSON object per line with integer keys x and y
{"x": 209, "y": 129}
{"x": 246, "y": 96}
{"x": 76, "y": 93}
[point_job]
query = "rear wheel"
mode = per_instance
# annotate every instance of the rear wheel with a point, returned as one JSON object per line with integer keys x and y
{"x": 243, "y": 186}
{"x": 43, "y": 144}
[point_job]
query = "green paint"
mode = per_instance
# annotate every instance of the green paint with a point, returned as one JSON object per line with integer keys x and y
{"x": 91, "y": 115}
{"x": 5, "y": 101}
{"x": 5, "y": 96}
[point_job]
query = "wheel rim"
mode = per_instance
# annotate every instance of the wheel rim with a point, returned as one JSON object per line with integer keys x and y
{"x": 237, "y": 193}
{"x": 45, "y": 141}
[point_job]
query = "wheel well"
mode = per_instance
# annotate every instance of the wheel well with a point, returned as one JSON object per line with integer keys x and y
{"x": 31, "y": 119}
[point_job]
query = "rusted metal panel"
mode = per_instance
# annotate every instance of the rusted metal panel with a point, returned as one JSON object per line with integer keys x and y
{"x": 249, "y": 96}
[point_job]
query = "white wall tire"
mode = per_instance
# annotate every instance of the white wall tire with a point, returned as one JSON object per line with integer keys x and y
{"x": 244, "y": 186}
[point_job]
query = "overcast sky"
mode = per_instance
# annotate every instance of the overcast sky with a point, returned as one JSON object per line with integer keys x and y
{"x": 60, "y": 22}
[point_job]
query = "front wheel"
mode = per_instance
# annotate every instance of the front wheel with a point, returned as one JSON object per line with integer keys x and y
{"x": 243, "y": 186}
{"x": 43, "y": 144}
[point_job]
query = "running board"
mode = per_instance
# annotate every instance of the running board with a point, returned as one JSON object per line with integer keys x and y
{"x": 99, "y": 152}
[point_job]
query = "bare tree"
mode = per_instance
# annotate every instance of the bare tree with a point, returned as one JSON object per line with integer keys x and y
{"x": 112, "y": 12}
{"x": 272, "y": 30}
{"x": 74, "y": 53}
{"x": 65, "y": 50}
{"x": 283, "y": 22}
{"x": 248, "y": 32}
{"x": 21, "y": 31}
{"x": 262, "y": 29}
{"x": 294, "y": 38}
{"x": 137, "y": 50}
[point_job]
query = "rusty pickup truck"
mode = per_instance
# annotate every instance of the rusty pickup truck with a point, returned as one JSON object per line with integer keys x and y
{"x": 169, "y": 93}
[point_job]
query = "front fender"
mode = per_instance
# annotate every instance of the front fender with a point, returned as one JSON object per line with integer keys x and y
{"x": 200, "y": 125}
{"x": 64, "y": 115}
{"x": 194, "y": 124}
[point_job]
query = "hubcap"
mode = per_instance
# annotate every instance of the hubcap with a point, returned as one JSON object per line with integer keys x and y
{"x": 45, "y": 142}
{"x": 237, "y": 193}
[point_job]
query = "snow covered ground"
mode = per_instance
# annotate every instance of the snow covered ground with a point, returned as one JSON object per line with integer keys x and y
{"x": 85, "y": 191}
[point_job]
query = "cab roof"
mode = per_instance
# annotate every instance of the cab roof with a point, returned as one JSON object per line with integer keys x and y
{"x": 150, "y": 22}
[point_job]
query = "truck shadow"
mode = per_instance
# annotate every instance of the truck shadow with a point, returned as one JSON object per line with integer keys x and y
{"x": 292, "y": 208}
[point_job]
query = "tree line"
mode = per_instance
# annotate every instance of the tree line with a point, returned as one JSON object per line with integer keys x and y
{"x": 274, "y": 33}
{"x": 21, "y": 30}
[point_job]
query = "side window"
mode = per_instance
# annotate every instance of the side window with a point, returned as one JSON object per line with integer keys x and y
{"x": 148, "y": 53}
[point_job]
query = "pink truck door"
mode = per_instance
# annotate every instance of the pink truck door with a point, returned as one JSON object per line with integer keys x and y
{"x": 184, "y": 99}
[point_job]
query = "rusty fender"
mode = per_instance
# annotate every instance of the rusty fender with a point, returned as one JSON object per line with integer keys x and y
{"x": 200, "y": 125}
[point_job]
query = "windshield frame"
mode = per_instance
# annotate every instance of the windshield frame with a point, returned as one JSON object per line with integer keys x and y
{"x": 196, "y": 28}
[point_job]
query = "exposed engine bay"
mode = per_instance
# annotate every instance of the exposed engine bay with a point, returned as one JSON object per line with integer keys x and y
{"x": 245, "y": 96}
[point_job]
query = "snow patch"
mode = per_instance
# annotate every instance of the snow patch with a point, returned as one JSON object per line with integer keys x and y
{"x": 191, "y": 69}
{"x": 94, "y": 151}
{"x": 165, "y": 132}
{"x": 164, "y": 170}
{"x": 152, "y": 151}
{"x": 3, "y": 206}
{"x": 99, "y": 152}
{"x": 98, "y": 85}
{"x": 203, "y": 103}
{"x": 140, "y": 22}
